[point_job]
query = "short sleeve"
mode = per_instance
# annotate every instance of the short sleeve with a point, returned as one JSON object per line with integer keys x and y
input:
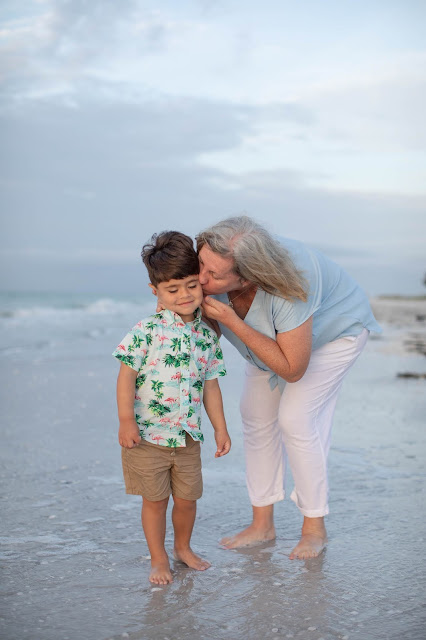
{"x": 132, "y": 349}
{"x": 288, "y": 315}
{"x": 215, "y": 367}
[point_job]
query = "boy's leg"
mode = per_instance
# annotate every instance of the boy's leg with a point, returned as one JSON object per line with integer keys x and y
{"x": 183, "y": 517}
{"x": 187, "y": 488}
{"x": 154, "y": 526}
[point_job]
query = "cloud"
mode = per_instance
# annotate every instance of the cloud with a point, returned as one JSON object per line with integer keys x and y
{"x": 121, "y": 119}
{"x": 108, "y": 174}
{"x": 105, "y": 174}
{"x": 57, "y": 46}
{"x": 384, "y": 114}
{"x": 85, "y": 146}
{"x": 58, "y": 256}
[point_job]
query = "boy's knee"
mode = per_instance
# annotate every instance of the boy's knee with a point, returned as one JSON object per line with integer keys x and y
{"x": 158, "y": 505}
{"x": 181, "y": 503}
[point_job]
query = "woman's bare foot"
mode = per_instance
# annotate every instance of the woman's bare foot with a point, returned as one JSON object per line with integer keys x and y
{"x": 188, "y": 557}
{"x": 249, "y": 537}
{"x": 309, "y": 546}
{"x": 160, "y": 572}
{"x": 312, "y": 541}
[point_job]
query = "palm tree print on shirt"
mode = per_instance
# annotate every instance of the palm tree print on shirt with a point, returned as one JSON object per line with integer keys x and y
{"x": 157, "y": 408}
{"x": 172, "y": 360}
{"x": 156, "y": 386}
{"x": 176, "y": 344}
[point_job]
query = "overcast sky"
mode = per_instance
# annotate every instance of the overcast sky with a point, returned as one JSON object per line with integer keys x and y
{"x": 122, "y": 118}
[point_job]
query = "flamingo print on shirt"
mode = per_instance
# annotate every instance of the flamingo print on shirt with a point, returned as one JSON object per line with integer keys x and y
{"x": 173, "y": 359}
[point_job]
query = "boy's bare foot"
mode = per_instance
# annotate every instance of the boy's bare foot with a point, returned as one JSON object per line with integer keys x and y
{"x": 188, "y": 557}
{"x": 249, "y": 537}
{"x": 313, "y": 540}
{"x": 160, "y": 572}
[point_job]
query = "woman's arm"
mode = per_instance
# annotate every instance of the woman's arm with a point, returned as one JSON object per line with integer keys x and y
{"x": 288, "y": 355}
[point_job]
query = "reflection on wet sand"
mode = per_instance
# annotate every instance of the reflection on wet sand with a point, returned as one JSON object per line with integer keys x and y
{"x": 75, "y": 561}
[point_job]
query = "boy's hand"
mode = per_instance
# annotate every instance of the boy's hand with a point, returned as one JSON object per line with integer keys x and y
{"x": 223, "y": 443}
{"x": 128, "y": 434}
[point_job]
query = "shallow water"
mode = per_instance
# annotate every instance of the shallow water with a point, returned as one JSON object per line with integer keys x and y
{"x": 75, "y": 563}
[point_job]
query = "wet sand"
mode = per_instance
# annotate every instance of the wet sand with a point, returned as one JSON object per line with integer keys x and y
{"x": 75, "y": 563}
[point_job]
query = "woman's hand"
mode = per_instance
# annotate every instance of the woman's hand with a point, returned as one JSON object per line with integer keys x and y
{"x": 218, "y": 311}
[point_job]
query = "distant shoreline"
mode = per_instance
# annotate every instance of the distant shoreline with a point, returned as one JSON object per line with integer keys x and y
{"x": 405, "y": 320}
{"x": 396, "y": 296}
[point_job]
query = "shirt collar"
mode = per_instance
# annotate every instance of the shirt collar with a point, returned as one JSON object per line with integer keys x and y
{"x": 173, "y": 318}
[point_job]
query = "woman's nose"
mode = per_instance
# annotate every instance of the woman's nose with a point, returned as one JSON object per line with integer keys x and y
{"x": 203, "y": 277}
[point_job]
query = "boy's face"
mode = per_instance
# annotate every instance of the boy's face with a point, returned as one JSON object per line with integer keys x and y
{"x": 181, "y": 296}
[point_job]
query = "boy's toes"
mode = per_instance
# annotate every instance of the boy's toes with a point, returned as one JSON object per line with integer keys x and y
{"x": 160, "y": 573}
{"x": 188, "y": 557}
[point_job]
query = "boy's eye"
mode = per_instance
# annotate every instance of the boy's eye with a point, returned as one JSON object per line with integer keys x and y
{"x": 172, "y": 290}
{"x": 193, "y": 286}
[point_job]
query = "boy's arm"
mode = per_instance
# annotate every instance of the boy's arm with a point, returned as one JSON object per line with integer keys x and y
{"x": 128, "y": 432}
{"x": 214, "y": 408}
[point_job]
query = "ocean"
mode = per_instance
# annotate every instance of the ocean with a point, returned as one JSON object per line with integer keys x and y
{"x": 54, "y": 326}
{"x": 75, "y": 563}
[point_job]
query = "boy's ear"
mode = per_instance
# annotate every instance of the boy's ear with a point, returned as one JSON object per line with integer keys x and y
{"x": 153, "y": 289}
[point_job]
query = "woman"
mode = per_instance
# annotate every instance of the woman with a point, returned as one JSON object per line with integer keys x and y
{"x": 301, "y": 322}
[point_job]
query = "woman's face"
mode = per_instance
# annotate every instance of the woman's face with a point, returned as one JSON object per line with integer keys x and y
{"x": 216, "y": 274}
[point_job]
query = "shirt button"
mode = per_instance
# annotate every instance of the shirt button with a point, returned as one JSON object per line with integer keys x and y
{"x": 172, "y": 453}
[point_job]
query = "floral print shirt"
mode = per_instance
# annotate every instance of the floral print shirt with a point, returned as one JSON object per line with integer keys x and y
{"x": 172, "y": 359}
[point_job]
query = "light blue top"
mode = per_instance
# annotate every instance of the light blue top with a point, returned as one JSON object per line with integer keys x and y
{"x": 337, "y": 303}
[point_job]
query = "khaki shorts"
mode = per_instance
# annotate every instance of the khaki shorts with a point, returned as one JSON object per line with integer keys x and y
{"x": 154, "y": 472}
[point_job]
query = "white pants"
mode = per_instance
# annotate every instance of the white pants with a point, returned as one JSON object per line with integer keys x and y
{"x": 295, "y": 424}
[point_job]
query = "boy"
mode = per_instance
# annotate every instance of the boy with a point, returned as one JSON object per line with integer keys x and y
{"x": 167, "y": 360}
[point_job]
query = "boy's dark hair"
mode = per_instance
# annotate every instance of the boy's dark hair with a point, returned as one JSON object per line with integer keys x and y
{"x": 170, "y": 255}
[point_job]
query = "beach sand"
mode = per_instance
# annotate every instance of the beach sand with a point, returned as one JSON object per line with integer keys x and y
{"x": 75, "y": 562}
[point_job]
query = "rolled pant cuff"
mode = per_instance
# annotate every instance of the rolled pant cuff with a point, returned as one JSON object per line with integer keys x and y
{"x": 265, "y": 502}
{"x": 310, "y": 513}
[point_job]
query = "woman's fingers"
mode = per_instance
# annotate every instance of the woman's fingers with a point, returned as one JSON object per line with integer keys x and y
{"x": 213, "y": 308}
{"x": 213, "y": 302}
{"x": 207, "y": 310}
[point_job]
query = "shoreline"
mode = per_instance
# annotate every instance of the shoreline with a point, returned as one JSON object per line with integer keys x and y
{"x": 75, "y": 562}
{"x": 404, "y": 323}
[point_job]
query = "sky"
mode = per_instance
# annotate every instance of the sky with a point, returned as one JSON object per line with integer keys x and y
{"x": 121, "y": 119}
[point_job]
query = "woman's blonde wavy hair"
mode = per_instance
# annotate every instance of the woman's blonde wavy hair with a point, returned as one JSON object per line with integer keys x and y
{"x": 258, "y": 257}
